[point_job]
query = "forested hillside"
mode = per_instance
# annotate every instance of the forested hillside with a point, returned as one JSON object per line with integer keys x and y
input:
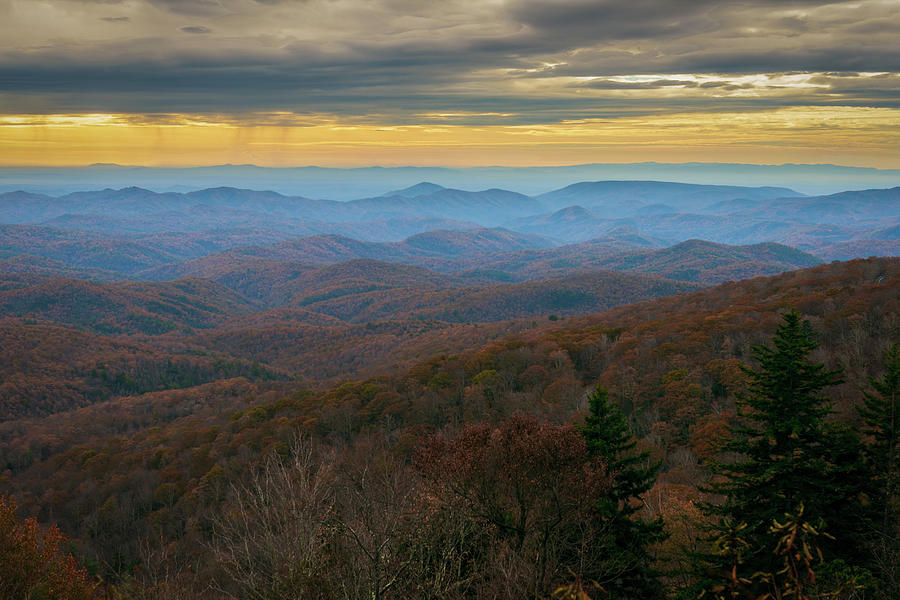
{"x": 149, "y": 483}
{"x": 448, "y": 394}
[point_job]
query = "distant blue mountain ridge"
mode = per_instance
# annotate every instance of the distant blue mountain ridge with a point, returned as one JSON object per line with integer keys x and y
{"x": 347, "y": 184}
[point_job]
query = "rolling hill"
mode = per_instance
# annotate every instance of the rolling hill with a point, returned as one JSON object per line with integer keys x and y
{"x": 83, "y": 250}
{"x": 48, "y": 369}
{"x": 124, "y": 308}
{"x": 625, "y": 198}
{"x": 707, "y": 262}
{"x": 576, "y": 294}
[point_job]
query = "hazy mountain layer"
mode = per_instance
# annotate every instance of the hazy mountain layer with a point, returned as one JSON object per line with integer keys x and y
{"x": 347, "y": 184}
{"x": 266, "y": 246}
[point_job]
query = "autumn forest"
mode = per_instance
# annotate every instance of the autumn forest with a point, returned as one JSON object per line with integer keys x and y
{"x": 623, "y": 390}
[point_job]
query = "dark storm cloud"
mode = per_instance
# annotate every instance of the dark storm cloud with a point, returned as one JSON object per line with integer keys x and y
{"x": 401, "y": 57}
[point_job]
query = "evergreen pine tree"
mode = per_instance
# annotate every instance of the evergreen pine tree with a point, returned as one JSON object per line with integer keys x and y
{"x": 881, "y": 414}
{"x": 607, "y": 435}
{"x": 789, "y": 455}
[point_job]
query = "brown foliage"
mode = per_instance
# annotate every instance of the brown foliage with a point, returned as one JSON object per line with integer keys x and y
{"x": 533, "y": 486}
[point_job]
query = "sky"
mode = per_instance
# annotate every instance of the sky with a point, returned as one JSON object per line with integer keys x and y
{"x": 449, "y": 82}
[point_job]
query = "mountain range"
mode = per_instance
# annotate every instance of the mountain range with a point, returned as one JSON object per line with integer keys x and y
{"x": 348, "y": 184}
{"x": 132, "y": 229}
{"x": 159, "y": 348}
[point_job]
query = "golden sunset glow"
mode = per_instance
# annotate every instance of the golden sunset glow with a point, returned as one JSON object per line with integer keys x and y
{"x": 844, "y": 134}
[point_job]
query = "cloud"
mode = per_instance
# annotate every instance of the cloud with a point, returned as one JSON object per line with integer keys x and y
{"x": 195, "y": 29}
{"x": 615, "y": 84}
{"x": 194, "y": 8}
{"x": 589, "y": 21}
{"x": 394, "y": 59}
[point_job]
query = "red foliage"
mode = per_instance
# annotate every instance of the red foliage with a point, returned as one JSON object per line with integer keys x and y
{"x": 31, "y": 563}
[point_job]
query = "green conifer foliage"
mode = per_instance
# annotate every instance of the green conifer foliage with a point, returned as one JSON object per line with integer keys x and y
{"x": 630, "y": 574}
{"x": 788, "y": 455}
{"x": 881, "y": 413}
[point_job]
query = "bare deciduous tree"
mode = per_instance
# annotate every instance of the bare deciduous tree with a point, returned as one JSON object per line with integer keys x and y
{"x": 378, "y": 518}
{"x": 270, "y": 543}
